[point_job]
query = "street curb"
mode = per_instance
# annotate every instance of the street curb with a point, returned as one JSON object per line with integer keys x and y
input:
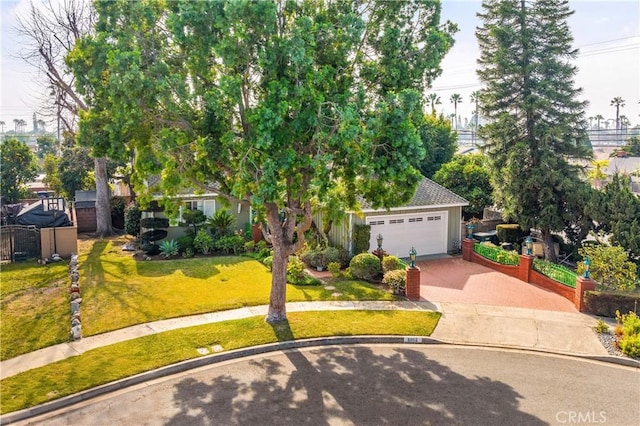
{"x": 262, "y": 349}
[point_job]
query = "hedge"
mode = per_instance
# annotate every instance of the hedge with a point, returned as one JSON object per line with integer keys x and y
{"x": 606, "y": 304}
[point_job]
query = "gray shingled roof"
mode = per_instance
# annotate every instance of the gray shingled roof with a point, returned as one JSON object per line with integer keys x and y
{"x": 429, "y": 194}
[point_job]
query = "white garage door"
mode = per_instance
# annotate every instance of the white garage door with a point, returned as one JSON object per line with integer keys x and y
{"x": 427, "y": 232}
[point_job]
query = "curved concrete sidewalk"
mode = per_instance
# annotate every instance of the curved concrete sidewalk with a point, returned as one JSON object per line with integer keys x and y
{"x": 558, "y": 332}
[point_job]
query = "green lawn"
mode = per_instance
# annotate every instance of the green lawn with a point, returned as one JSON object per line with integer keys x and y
{"x": 109, "y": 363}
{"x": 119, "y": 291}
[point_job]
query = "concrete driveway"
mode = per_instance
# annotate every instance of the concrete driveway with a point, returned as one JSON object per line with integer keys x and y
{"x": 454, "y": 280}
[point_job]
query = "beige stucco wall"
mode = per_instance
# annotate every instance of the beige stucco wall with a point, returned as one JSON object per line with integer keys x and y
{"x": 65, "y": 242}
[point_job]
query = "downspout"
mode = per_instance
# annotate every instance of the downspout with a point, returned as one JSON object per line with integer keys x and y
{"x": 350, "y": 235}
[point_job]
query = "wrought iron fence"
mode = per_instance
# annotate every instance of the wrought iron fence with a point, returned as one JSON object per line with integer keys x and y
{"x": 19, "y": 242}
{"x": 556, "y": 272}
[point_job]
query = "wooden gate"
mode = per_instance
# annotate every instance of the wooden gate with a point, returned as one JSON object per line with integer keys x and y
{"x": 19, "y": 242}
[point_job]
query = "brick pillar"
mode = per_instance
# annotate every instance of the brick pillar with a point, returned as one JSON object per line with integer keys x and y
{"x": 412, "y": 290}
{"x": 467, "y": 248}
{"x": 524, "y": 271}
{"x": 583, "y": 285}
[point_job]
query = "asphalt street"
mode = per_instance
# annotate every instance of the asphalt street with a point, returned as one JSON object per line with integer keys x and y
{"x": 373, "y": 385}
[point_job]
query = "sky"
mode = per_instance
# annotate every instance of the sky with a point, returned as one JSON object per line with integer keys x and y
{"x": 607, "y": 34}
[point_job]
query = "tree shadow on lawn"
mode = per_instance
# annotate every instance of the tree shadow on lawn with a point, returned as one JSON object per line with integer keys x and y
{"x": 350, "y": 385}
{"x": 196, "y": 267}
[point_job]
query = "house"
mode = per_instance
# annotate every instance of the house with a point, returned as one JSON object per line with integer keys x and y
{"x": 429, "y": 222}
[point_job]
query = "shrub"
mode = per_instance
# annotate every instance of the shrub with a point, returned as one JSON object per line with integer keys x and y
{"x": 169, "y": 248}
{"x": 365, "y": 266}
{"x": 188, "y": 253}
{"x": 268, "y": 262}
{"x": 203, "y": 242}
{"x": 310, "y": 257}
{"x": 630, "y": 341}
{"x": 606, "y": 304}
{"x": 261, "y": 245}
{"x": 151, "y": 249}
{"x": 396, "y": 280}
{"x": 185, "y": 242}
{"x": 610, "y": 267}
{"x": 230, "y": 244}
{"x": 117, "y": 205}
{"x": 361, "y": 238}
{"x": 509, "y": 233}
{"x": 391, "y": 263}
{"x": 295, "y": 270}
{"x": 601, "y": 327}
{"x": 132, "y": 215}
{"x": 331, "y": 254}
{"x": 221, "y": 223}
{"x": 334, "y": 268}
{"x": 249, "y": 246}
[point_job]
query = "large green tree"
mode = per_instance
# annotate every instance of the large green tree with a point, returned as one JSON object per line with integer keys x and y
{"x": 275, "y": 102}
{"x": 536, "y": 123}
{"x": 616, "y": 212}
{"x": 439, "y": 141}
{"x": 468, "y": 176}
{"x": 18, "y": 166}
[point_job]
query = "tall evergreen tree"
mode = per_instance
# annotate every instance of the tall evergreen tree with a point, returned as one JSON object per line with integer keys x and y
{"x": 536, "y": 124}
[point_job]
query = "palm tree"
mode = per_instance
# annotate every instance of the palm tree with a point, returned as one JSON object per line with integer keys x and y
{"x": 617, "y": 102}
{"x": 475, "y": 97}
{"x": 2, "y": 124}
{"x": 433, "y": 100}
{"x": 599, "y": 117}
{"x": 21, "y": 125}
{"x": 16, "y": 123}
{"x": 455, "y": 99}
{"x": 624, "y": 122}
{"x": 591, "y": 122}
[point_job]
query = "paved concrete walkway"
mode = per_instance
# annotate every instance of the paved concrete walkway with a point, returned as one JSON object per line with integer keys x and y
{"x": 558, "y": 332}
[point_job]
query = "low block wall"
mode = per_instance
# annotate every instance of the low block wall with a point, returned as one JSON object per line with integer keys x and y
{"x": 62, "y": 240}
{"x": 541, "y": 280}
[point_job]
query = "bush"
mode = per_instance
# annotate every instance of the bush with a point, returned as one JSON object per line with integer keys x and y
{"x": 169, "y": 248}
{"x": 185, "y": 243}
{"x": 203, "y": 242}
{"x": 361, "y": 238}
{"x": 132, "y": 215}
{"x": 117, "y": 205}
{"x": 396, "y": 280}
{"x": 610, "y": 267}
{"x": 261, "y": 245}
{"x": 630, "y": 341}
{"x": 334, "y": 268}
{"x": 268, "y": 262}
{"x": 221, "y": 223}
{"x": 391, "y": 263}
{"x": 509, "y": 233}
{"x": 188, "y": 253}
{"x": 365, "y": 266}
{"x": 311, "y": 258}
{"x": 230, "y": 244}
{"x": 151, "y": 249}
{"x": 295, "y": 270}
{"x": 606, "y": 304}
{"x": 249, "y": 246}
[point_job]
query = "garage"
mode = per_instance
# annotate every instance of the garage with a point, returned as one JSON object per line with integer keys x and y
{"x": 426, "y": 231}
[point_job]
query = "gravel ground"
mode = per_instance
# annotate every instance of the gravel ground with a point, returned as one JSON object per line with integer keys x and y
{"x": 608, "y": 340}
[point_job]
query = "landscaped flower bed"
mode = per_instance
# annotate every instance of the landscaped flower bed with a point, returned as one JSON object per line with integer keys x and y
{"x": 556, "y": 272}
{"x": 497, "y": 254}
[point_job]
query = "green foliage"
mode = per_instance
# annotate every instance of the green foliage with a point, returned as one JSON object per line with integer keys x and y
{"x": 117, "y": 205}
{"x": 185, "y": 242}
{"x": 169, "y": 248}
{"x": 257, "y": 98}
{"x": 361, "y": 238}
{"x": 132, "y": 216}
{"x": 630, "y": 341}
{"x": 632, "y": 147}
{"x": 221, "y": 223}
{"x": 74, "y": 171}
{"x": 497, "y": 254}
{"x": 334, "y": 268}
{"x": 295, "y": 271}
{"x": 467, "y": 176}
{"x": 536, "y": 131}
{"x": 203, "y": 242}
{"x": 509, "y": 233}
{"x": 188, "y": 253}
{"x": 601, "y": 327}
{"x": 261, "y": 245}
{"x": 230, "y": 244}
{"x": 396, "y": 280}
{"x": 18, "y": 167}
{"x": 556, "y": 272}
{"x": 268, "y": 261}
{"x": 439, "y": 141}
{"x": 46, "y": 146}
{"x": 606, "y": 304}
{"x": 365, "y": 266}
{"x": 391, "y": 263}
{"x": 616, "y": 210}
{"x": 249, "y": 246}
{"x": 154, "y": 222}
{"x": 194, "y": 218}
{"x": 610, "y": 267}
{"x": 150, "y": 248}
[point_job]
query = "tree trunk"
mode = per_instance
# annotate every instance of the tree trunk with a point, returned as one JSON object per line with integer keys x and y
{"x": 277, "y": 299}
{"x": 103, "y": 208}
{"x": 549, "y": 247}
